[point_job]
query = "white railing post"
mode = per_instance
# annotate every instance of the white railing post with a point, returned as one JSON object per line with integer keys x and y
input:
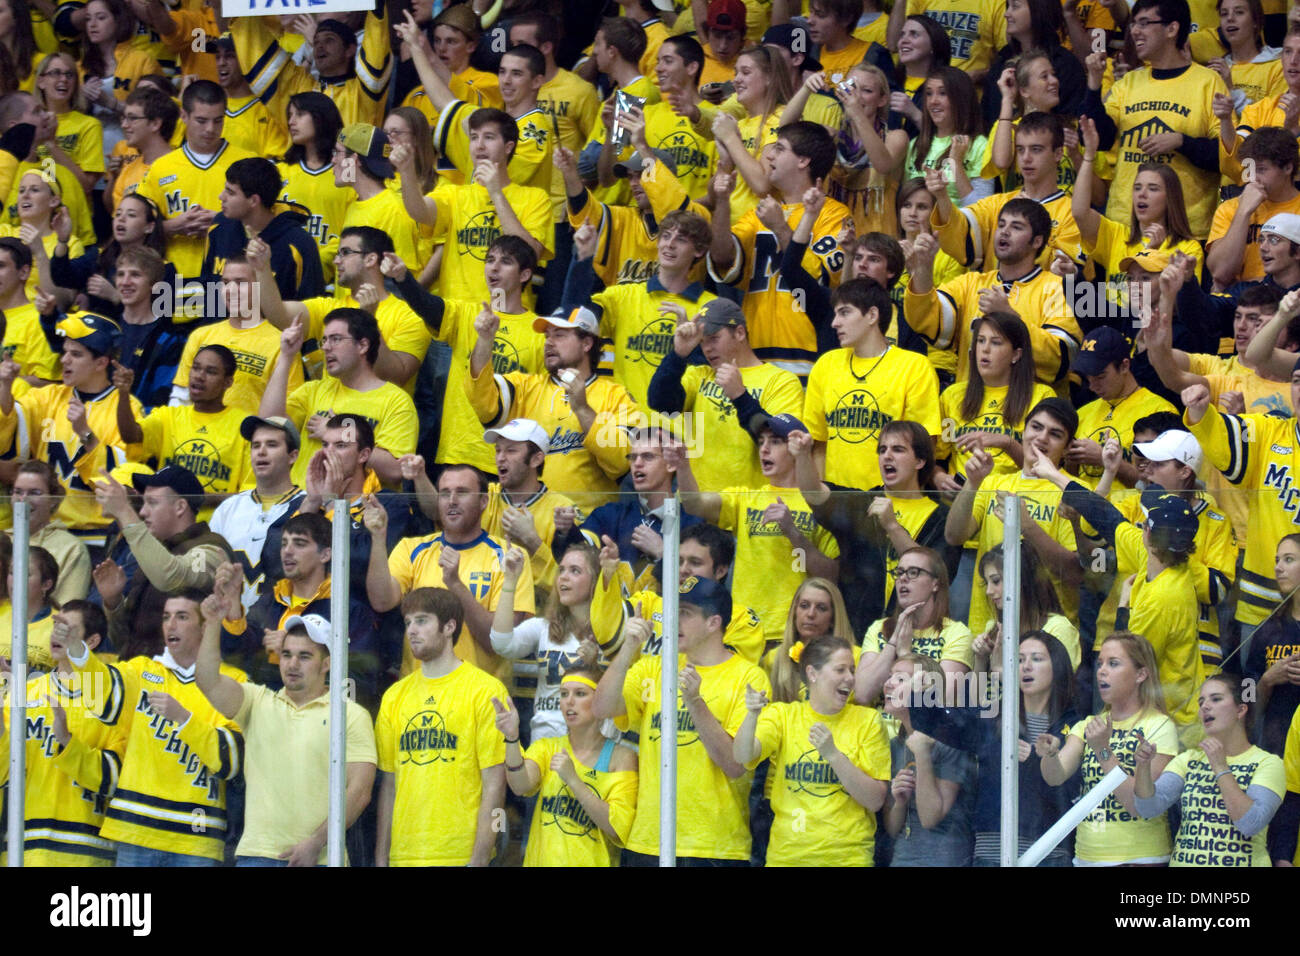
{"x": 1010, "y": 683}
{"x": 340, "y": 561}
{"x": 17, "y": 717}
{"x": 672, "y": 527}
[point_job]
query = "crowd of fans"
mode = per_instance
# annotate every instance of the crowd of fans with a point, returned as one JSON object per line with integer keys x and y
{"x": 493, "y": 283}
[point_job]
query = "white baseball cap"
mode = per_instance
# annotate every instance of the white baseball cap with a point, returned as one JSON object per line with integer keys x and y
{"x": 317, "y": 628}
{"x": 580, "y": 318}
{"x": 1173, "y": 445}
{"x": 520, "y": 429}
{"x": 1284, "y": 224}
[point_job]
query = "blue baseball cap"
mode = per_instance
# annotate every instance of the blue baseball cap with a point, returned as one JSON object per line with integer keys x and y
{"x": 1173, "y": 515}
{"x": 711, "y": 597}
{"x": 1101, "y": 347}
{"x": 782, "y": 425}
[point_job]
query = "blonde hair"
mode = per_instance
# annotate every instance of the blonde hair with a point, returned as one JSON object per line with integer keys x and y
{"x": 1139, "y": 650}
{"x": 785, "y": 675}
{"x": 76, "y": 100}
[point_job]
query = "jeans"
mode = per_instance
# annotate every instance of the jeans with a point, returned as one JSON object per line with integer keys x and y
{"x": 130, "y": 855}
{"x": 687, "y": 862}
{"x": 259, "y": 861}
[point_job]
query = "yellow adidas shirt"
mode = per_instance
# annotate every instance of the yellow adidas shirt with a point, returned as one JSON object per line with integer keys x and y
{"x": 712, "y": 809}
{"x": 385, "y": 212}
{"x": 82, "y": 138}
{"x": 817, "y": 822}
{"x": 250, "y": 126}
{"x": 630, "y": 317}
{"x": 469, "y": 221}
{"x": 208, "y": 444}
{"x": 772, "y": 570}
{"x": 967, "y": 236}
{"x": 401, "y": 329}
{"x": 1252, "y": 267}
{"x": 388, "y": 409}
{"x": 437, "y": 736}
{"x": 562, "y": 833}
{"x": 31, "y": 349}
{"x": 1101, "y": 421}
{"x": 725, "y": 453}
{"x": 989, "y": 418}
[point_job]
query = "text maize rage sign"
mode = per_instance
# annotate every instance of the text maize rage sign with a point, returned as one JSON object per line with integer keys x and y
{"x": 268, "y": 8}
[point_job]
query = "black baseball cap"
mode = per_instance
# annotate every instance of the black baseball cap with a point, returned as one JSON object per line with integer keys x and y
{"x": 1100, "y": 348}
{"x": 178, "y": 479}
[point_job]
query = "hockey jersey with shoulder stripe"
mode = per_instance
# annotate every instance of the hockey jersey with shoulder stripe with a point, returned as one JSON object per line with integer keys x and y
{"x": 68, "y": 786}
{"x": 171, "y": 794}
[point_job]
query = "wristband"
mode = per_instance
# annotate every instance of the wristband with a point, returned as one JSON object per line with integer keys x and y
{"x": 1104, "y": 754}
{"x": 519, "y": 766}
{"x": 1220, "y": 774}
{"x": 515, "y": 741}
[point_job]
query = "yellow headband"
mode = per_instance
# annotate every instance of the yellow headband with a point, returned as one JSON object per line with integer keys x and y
{"x": 796, "y": 651}
{"x": 579, "y": 679}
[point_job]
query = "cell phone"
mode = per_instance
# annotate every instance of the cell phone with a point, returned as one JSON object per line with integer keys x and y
{"x": 8, "y": 351}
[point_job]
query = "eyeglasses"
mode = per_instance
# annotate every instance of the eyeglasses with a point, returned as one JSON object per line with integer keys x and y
{"x": 60, "y": 74}
{"x": 344, "y": 253}
{"x": 132, "y": 117}
{"x": 333, "y": 340}
{"x": 910, "y": 573}
{"x": 1143, "y": 24}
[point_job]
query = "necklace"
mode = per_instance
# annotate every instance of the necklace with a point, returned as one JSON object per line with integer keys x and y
{"x": 863, "y": 377}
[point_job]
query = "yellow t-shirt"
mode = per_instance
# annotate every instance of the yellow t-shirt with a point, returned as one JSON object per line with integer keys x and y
{"x": 38, "y": 637}
{"x": 32, "y": 352}
{"x": 948, "y": 643}
{"x": 574, "y": 105}
{"x": 1101, "y": 421}
{"x": 850, "y": 399}
{"x": 401, "y": 329}
{"x": 437, "y": 735}
{"x": 1252, "y": 267}
{"x": 388, "y": 409}
{"x": 208, "y": 444}
{"x": 1112, "y": 247}
{"x": 49, "y": 241}
{"x": 836, "y": 830}
{"x": 694, "y": 154}
{"x": 757, "y": 133}
{"x": 772, "y": 571}
{"x": 74, "y": 197}
{"x": 413, "y": 563}
{"x": 725, "y": 455}
{"x": 562, "y": 833}
{"x": 1110, "y": 835}
{"x": 976, "y": 28}
{"x": 468, "y": 221}
{"x": 516, "y": 348}
{"x": 1261, "y": 395}
{"x": 82, "y": 138}
{"x": 989, "y": 418}
{"x": 1140, "y": 105}
{"x": 1043, "y": 499}
{"x": 1165, "y": 611}
{"x": 385, "y": 212}
{"x": 1206, "y": 835}
{"x": 712, "y": 809}
{"x": 256, "y": 350}
{"x": 629, "y": 316}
